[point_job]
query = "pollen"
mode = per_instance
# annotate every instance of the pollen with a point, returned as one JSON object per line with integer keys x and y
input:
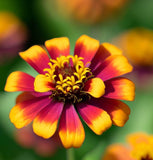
{"x": 69, "y": 75}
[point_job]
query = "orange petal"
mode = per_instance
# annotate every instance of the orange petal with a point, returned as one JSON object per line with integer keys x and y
{"x": 118, "y": 111}
{"x": 95, "y": 87}
{"x": 120, "y": 88}
{"x": 19, "y": 81}
{"x": 24, "y": 112}
{"x": 105, "y": 50}
{"x": 43, "y": 83}
{"x": 113, "y": 66}
{"x": 111, "y": 49}
{"x": 86, "y": 47}
{"x": 71, "y": 130}
{"x": 117, "y": 152}
{"x": 37, "y": 57}
{"x": 97, "y": 119}
{"x": 58, "y": 47}
{"x": 45, "y": 124}
{"x": 24, "y": 96}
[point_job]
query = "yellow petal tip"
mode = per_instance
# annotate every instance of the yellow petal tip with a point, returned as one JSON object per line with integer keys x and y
{"x": 95, "y": 87}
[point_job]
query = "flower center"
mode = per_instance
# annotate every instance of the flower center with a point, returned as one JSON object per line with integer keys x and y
{"x": 146, "y": 158}
{"x": 69, "y": 75}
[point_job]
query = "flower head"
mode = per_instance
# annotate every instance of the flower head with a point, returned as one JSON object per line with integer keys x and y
{"x": 88, "y": 11}
{"x": 140, "y": 148}
{"x": 86, "y": 84}
{"x": 137, "y": 46}
{"x": 13, "y": 34}
{"x": 44, "y": 147}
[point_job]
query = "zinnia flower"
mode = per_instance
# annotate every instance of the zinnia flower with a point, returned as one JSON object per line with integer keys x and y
{"x": 140, "y": 147}
{"x": 44, "y": 147}
{"x": 137, "y": 46}
{"x": 13, "y": 35}
{"x": 86, "y": 84}
{"x": 137, "y": 43}
{"x": 89, "y": 11}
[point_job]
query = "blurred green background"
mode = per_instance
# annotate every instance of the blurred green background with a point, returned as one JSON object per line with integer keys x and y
{"x": 43, "y": 23}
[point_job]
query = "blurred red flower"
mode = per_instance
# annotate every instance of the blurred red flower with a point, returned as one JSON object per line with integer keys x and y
{"x": 44, "y": 147}
{"x": 13, "y": 35}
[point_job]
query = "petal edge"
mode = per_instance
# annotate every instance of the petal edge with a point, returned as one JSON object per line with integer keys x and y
{"x": 45, "y": 124}
{"x": 86, "y": 47}
{"x": 58, "y": 47}
{"x": 19, "y": 81}
{"x": 96, "y": 118}
{"x": 120, "y": 88}
{"x": 43, "y": 83}
{"x": 71, "y": 130}
{"x": 95, "y": 87}
{"x": 113, "y": 66}
{"x": 37, "y": 57}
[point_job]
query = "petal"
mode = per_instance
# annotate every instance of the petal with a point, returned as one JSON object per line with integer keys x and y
{"x": 96, "y": 118}
{"x": 86, "y": 47}
{"x": 118, "y": 111}
{"x": 95, "y": 87}
{"x": 19, "y": 81}
{"x": 43, "y": 83}
{"x": 24, "y": 96}
{"x": 112, "y": 67}
{"x": 71, "y": 130}
{"x": 105, "y": 50}
{"x": 58, "y": 47}
{"x": 117, "y": 152}
{"x": 120, "y": 88}
{"x": 137, "y": 138}
{"x": 40, "y": 94}
{"x": 45, "y": 124}
{"x": 24, "y": 112}
{"x": 111, "y": 50}
{"x": 37, "y": 57}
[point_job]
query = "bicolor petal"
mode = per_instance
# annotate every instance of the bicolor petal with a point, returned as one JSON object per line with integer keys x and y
{"x": 37, "y": 57}
{"x": 45, "y": 124}
{"x": 118, "y": 111}
{"x": 86, "y": 47}
{"x": 58, "y": 47}
{"x": 105, "y": 50}
{"x": 19, "y": 81}
{"x": 25, "y": 111}
{"x": 71, "y": 130}
{"x": 120, "y": 88}
{"x": 113, "y": 66}
{"x": 95, "y": 87}
{"x": 117, "y": 152}
{"x": 110, "y": 49}
{"x": 43, "y": 83}
{"x": 96, "y": 118}
{"x": 24, "y": 96}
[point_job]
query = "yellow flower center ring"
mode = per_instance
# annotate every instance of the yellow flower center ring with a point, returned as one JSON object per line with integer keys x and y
{"x": 67, "y": 75}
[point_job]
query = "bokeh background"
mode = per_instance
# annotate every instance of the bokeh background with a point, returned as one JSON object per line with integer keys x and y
{"x": 40, "y": 20}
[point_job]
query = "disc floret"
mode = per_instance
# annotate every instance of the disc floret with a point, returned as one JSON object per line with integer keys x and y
{"x": 69, "y": 74}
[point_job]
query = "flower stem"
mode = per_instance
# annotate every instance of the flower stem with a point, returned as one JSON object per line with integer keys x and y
{"x": 70, "y": 154}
